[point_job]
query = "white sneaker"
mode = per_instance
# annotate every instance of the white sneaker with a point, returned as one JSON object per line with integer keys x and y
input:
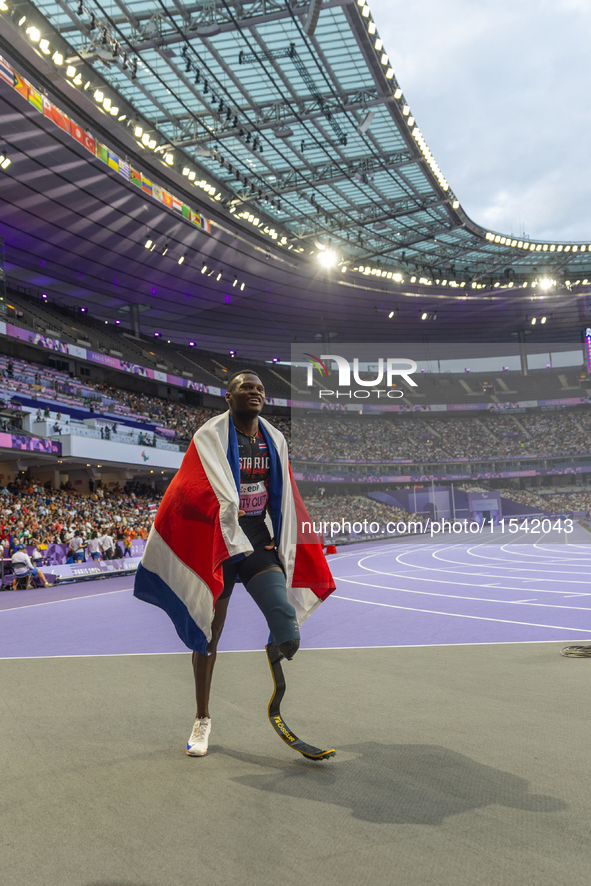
{"x": 199, "y": 738}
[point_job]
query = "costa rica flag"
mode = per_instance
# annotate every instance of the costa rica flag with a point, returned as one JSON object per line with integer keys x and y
{"x": 196, "y": 529}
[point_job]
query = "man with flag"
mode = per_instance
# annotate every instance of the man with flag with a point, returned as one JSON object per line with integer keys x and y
{"x": 232, "y": 512}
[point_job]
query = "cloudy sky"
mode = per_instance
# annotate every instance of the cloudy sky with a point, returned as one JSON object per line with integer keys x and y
{"x": 502, "y": 94}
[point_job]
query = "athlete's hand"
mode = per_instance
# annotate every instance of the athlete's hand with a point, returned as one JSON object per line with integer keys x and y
{"x": 241, "y": 513}
{"x": 270, "y": 547}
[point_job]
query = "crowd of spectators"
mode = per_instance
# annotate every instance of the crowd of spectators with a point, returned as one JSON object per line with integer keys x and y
{"x": 355, "y": 509}
{"x": 35, "y": 514}
{"x": 545, "y": 499}
{"x": 416, "y": 439}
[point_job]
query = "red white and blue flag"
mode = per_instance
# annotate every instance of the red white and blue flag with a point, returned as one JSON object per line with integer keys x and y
{"x": 196, "y": 529}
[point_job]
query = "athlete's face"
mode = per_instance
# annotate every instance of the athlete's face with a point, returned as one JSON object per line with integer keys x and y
{"x": 247, "y": 396}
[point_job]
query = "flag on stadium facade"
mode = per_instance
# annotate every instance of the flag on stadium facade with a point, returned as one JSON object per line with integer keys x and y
{"x": 59, "y": 118}
{"x": 53, "y": 113}
{"x": 35, "y": 99}
{"x": 21, "y": 85}
{"x": 196, "y": 529}
{"x": 113, "y": 161}
{"x": 6, "y": 72}
{"x": 102, "y": 152}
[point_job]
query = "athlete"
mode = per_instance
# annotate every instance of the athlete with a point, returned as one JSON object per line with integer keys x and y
{"x": 261, "y": 572}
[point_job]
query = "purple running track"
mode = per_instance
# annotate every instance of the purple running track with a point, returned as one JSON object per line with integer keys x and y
{"x": 400, "y": 594}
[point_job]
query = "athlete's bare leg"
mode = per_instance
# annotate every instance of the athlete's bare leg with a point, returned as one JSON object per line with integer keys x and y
{"x": 203, "y": 664}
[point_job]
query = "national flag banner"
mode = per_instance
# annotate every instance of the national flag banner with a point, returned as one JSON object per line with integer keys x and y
{"x": 186, "y": 211}
{"x": 89, "y": 143}
{"x": 157, "y": 193}
{"x": 167, "y": 199}
{"x": 177, "y": 205}
{"x": 196, "y": 218}
{"x": 21, "y": 85}
{"x": 124, "y": 169}
{"x": 113, "y": 161}
{"x": 146, "y": 185}
{"x": 205, "y": 224}
{"x": 35, "y": 99}
{"x": 86, "y": 140}
{"x": 52, "y": 113}
{"x": 101, "y": 152}
{"x": 135, "y": 177}
{"x": 196, "y": 529}
{"x": 6, "y": 72}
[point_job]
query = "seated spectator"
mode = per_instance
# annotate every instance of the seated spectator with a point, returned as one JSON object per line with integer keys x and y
{"x": 22, "y": 565}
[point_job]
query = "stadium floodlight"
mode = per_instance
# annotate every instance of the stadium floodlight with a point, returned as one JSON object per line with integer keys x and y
{"x": 148, "y": 243}
{"x": 328, "y": 258}
{"x": 424, "y": 315}
{"x": 57, "y": 58}
{"x": 146, "y": 138}
{"x": 390, "y": 315}
{"x": 398, "y": 93}
{"x": 365, "y": 12}
{"x": 152, "y": 143}
{"x": 114, "y": 109}
{"x": 78, "y": 79}
{"x": 98, "y": 96}
{"x": 4, "y": 161}
{"x": 70, "y": 71}
{"x": 204, "y": 268}
{"x": 106, "y": 103}
{"x": 371, "y": 28}
{"x": 546, "y": 283}
{"x": 43, "y": 45}
{"x": 543, "y": 320}
{"x": 3, "y": 6}
{"x": 181, "y": 260}
{"x": 138, "y": 131}
{"x": 169, "y": 158}
{"x": 378, "y": 44}
{"x": 34, "y": 34}
{"x": 192, "y": 176}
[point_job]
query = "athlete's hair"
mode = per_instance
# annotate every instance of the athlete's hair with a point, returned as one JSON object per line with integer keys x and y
{"x": 236, "y": 375}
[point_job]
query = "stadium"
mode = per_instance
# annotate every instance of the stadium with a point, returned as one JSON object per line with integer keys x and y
{"x": 190, "y": 196}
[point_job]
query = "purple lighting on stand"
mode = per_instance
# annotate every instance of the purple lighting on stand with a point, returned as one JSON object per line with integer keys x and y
{"x": 232, "y": 353}
{"x": 275, "y": 359}
{"x": 157, "y": 334}
{"x": 83, "y": 310}
{"x": 227, "y": 299}
{"x": 44, "y": 295}
{"x": 117, "y": 322}
{"x": 191, "y": 344}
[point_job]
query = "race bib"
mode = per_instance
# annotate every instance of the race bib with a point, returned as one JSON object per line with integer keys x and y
{"x": 253, "y": 498}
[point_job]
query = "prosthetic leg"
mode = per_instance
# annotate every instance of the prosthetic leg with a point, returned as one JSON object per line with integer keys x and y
{"x": 277, "y": 722}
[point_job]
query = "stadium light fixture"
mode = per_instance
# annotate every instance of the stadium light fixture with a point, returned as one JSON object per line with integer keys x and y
{"x": 106, "y": 103}
{"x": 145, "y": 139}
{"x": 169, "y": 158}
{"x": 327, "y": 258}
{"x": 22, "y": 20}
{"x": 152, "y": 144}
{"x": 235, "y": 283}
{"x": 34, "y": 34}
{"x": 43, "y": 45}
{"x": 365, "y": 12}
{"x": 546, "y": 283}
{"x": 378, "y": 44}
{"x": 70, "y": 71}
{"x": 4, "y": 161}
{"x": 191, "y": 344}
{"x": 219, "y": 276}
{"x": 181, "y": 260}
{"x": 138, "y": 131}
{"x": 57, "y": 58}
{"x": 148, "y": 243}
{"x": 390, "y": 315}
{"x": 371, "y": 28}
{"x": 78, "y": 79}
{"x": 114, "y": 109}
{"x": 424, "y": 315}
{"x": 242, "y": 285}
{"x": 543, "y": 320}
{"x": 204, "y": 268}
{"x": 3, "y": 6}
{"x": 533, "y": 321}
{"x": 98, "y": 96}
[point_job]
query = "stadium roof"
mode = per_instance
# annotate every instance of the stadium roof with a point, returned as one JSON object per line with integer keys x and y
{"x": 201, "y": 163}
{"x": 294, "y": 113}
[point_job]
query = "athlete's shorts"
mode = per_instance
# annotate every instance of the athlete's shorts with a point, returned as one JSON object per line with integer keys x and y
{"x": 95, "y": 555}
{"x": 245, "y": 569}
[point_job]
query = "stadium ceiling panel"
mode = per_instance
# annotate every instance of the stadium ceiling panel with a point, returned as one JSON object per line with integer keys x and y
{"x": 295, "y": 114}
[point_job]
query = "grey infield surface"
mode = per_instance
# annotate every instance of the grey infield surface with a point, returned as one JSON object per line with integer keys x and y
{"x": 456, "y": 765}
